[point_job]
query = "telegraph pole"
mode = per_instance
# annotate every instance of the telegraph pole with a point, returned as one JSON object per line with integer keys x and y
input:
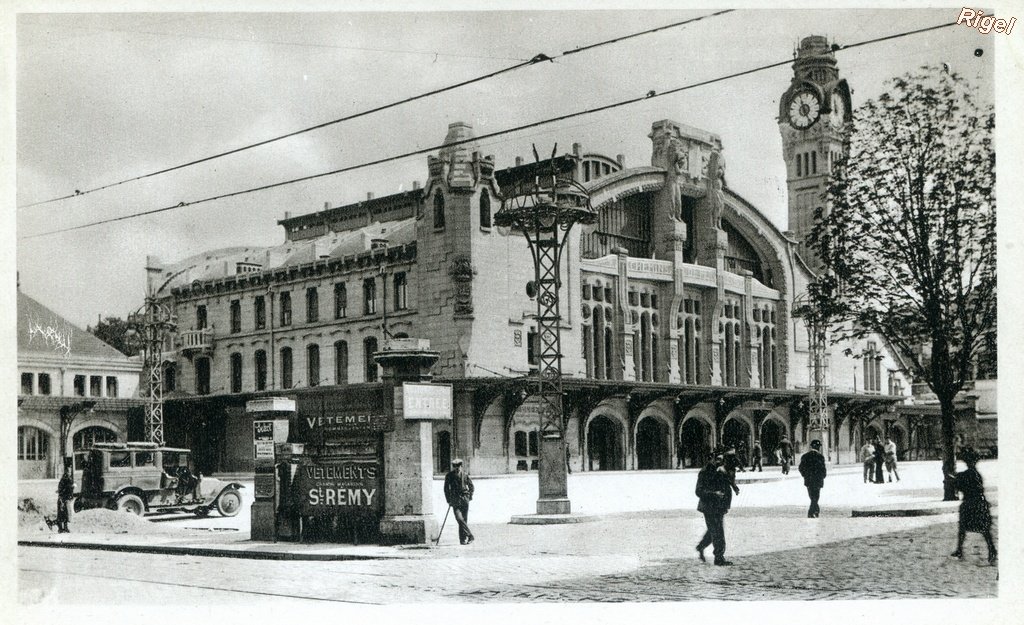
{"x": 151, "y": 324}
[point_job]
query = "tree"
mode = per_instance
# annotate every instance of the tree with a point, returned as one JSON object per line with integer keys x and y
{"x": 908, "y": 236}
{"x": 114, "y": 332}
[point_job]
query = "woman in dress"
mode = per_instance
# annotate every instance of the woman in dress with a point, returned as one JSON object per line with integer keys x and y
{"x": 975, "y": 515}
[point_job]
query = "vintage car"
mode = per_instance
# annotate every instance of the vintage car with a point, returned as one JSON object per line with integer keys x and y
{"x": 146, "y": 478}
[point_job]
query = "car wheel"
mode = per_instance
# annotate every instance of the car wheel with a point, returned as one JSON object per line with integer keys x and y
{"x": 229, "y": 503}
{"x": 131, "y": 503}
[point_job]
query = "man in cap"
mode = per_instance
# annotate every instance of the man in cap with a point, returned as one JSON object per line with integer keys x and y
{"x": 714, "y": 488}
{"x": 812, "y": 467}
{"x": 458, "y": 492}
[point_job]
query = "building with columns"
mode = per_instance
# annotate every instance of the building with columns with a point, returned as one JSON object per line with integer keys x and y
{"x": 678, "y": 324}
{"x": 64, "y": 368}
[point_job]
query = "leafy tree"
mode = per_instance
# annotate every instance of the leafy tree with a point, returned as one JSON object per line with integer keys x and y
{"x": 908, "y": 238}
{"x": 114, "y": 332}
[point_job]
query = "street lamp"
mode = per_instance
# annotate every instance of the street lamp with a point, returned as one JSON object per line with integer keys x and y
{"x": 543, "y": 201}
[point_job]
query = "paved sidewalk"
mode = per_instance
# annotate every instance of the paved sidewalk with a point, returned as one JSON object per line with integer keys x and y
{"x": 661, "y": 501}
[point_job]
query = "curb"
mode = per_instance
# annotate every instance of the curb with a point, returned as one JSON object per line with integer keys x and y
{"x": 209, "y": 552}
{"x": 551, "y": 519}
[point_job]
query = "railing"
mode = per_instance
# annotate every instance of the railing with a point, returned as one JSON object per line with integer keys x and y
{"x": 195, "y": 341}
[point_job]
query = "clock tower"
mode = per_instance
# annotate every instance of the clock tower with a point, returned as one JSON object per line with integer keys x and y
{"x": 814, "y": 116}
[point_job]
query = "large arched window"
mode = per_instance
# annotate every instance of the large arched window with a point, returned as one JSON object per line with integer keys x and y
{"x": 439, "y": 210}
{"x": 369, "y": 347}
{"x": 87, "y": 437}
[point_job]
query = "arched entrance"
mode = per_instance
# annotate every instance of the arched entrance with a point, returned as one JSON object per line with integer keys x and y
{"x": 604, "y": 445}
{"x": 871, "y": 433}
{"x": 736, "y": 433}
{"x": 898, "y": 437}
{"x": 652, "y": 450}
{"x": 694, "y": 442}
{"x": 771, "y": 433}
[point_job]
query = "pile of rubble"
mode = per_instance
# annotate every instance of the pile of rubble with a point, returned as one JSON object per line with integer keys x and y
{"x": 32, "y": 520}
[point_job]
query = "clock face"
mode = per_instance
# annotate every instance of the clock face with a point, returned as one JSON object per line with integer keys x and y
{"x": 838, "y": 114}
{"x": 804, "y": 109}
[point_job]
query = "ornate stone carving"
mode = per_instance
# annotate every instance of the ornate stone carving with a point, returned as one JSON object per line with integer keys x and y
{"x": 461, "y": 272}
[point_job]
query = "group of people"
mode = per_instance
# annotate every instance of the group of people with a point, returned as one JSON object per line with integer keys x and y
{"x": 716, "y": 485}
{"x": 874, "y": 454}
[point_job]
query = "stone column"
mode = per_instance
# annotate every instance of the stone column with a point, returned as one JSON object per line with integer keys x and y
{"x": 408, "y": 449}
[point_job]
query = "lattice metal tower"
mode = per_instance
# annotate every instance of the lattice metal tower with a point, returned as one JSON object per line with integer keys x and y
{"x": 544, "y": 201}
{"x": 818, "y": 417}
{"x": 151, "y": 324}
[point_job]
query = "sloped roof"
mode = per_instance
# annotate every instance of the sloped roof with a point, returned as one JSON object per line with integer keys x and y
{"x": 42, "y": 331}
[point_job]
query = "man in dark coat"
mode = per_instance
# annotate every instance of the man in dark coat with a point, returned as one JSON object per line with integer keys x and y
{"x": 715, "y": 492}
{"x": 785, "y": 454}
{"x": 458, "y": 492}
{"x": 812, "y": 467}
{"x": 879, "y": 460}
{"x": 755, "y": 455}
{"x": 65, "y": 493}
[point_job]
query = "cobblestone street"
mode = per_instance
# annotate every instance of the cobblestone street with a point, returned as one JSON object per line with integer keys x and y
{"x": 912, "y": 563}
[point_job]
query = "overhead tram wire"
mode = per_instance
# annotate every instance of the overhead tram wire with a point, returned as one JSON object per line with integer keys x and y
{"x": 606, "y": 107}
{"x": 533, "y": 61}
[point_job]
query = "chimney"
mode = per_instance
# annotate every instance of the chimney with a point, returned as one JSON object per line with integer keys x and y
{"x": 576, "y": 148}
{"x": 369, "y": 195}
{"x": 287, "y": 214}
{"x": 415, "y": 185}
{"x": 327, "y": 205}
{"x": 621, "y": 158}
{"x": 519, "y": 161}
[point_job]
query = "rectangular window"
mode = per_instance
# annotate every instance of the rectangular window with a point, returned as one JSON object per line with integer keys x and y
{"x": 236, "y": 316}
{"x": 401, "y": 302}
{"x": 799, "y": 168}
{"x": 261, "y": 370}
{"x": 286, "y": 308}
{"x": 145, "y": 459}
{"x": 312, "y": 305}
{"x": 236, "y": 373}
{"x": 26, "y": 383}
{"x": 369, "y": 296}
{"x": 341, "y": 362}
{"x": 202, "y": 366}
{"x": 111, "y": 386}
{"x": 95, "y": 385}
{"x": 286, "y": 367}
{"x": 814, "y": 162}
{"x": 80, "y": 385}
{"x": 532, "y": 348}
{"x": 313, "y": 364}
{"x": 201, "y": 317}
{"x": 340, "y": 300}
{"x": 260, "y": 310}
{"x": 120, "y": 459}
{"x": 44, "y": 384}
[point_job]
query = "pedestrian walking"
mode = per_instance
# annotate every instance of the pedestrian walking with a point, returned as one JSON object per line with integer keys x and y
{"x": 785, "y": 454}
{"x": 714, "y": 490}
{"x": 879, "y": 460}
{"x": 975, "y": 515}
{"x": 741, "y": 454}
{"x": 867, "y": 456}
{"x": 812, "y": 467}
{"x": 458, "y": 492}
{"x": 890, "y": 458}
{"x": 65, "y": 493}
{"x": 755, "y": 455}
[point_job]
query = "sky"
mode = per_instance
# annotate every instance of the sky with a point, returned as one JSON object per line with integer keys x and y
{"x": 103, "y": 97}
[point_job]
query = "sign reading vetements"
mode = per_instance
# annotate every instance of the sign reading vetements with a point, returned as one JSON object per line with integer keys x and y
{"x": 333, "y": 487}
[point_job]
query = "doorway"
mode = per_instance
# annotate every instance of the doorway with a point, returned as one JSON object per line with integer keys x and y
{"x": 604, "y": 445}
